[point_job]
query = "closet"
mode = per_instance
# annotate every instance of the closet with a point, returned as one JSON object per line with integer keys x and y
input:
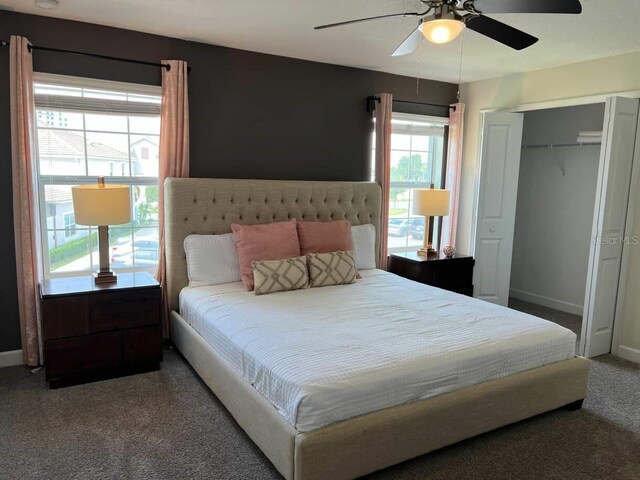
{"x": 557, "y": 185}
{"x": 553, "y": 213}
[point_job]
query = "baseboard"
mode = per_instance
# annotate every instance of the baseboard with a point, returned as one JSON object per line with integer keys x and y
{"x": 11, "y": 358}
{"x": 628, "y": 353}
{"x": 547, "y": 302}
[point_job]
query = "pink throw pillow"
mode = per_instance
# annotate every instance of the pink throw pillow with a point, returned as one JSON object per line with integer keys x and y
{"x": 324, "y": 237}
{"x": 271, "y": 241}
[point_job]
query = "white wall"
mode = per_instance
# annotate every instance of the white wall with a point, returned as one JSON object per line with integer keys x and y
{"x": 597, "y": 77}
{"x": 554, "y": 211}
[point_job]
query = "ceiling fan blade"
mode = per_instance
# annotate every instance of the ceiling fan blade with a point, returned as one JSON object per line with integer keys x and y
{"x": 410, "y": 44}
{"x": 501, "y": 32}
{"x": 528, "y": 6}
{"x": 349, "y": 22}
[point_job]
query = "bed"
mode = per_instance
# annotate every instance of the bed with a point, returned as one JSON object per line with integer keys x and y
{"x": 348, "y": 414}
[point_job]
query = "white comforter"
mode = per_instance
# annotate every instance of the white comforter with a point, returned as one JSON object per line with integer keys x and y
{"x": 326, "y": 354}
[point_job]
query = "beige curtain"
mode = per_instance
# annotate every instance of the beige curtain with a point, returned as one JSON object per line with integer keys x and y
{"x": 383, "y": 166}
{"x": 26, "y": 220}
{"x": 454, "y": 171}
{"x": 174, "y": 153}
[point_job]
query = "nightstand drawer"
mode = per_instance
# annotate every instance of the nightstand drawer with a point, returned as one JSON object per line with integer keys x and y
{"x": 461, "y": 289}
{"x": 448, "y": 274}
{"x": 64, "y": 317}
{"x": 124, "y": 310}
{"x": 143, "y": 345}
{"x": 73, "y": 356}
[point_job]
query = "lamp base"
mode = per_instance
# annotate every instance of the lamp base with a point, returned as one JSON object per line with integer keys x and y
{"x": 105, "y": 277}
{"x": 428, "y": 252}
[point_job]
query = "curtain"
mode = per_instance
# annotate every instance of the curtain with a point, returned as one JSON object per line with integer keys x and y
{"x": 174, "y": 154}
{"x": 383, "y": 167}
{"x": 26, "y": 220}
{"x": 454, "y": 170}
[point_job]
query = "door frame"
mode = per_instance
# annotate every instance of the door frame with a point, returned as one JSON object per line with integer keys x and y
{"x": 561, "y": 103}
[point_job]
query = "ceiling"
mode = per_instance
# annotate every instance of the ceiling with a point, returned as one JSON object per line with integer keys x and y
{"x": 285, "y": 27}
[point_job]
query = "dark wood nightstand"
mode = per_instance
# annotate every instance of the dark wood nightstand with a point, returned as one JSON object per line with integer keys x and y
{"x": 454, "y": 274}
{"x": 93, "y": 332}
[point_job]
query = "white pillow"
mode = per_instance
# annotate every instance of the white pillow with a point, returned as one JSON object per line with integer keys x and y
{"x": 211, "y": 259}
{"x": 364, "y": 246}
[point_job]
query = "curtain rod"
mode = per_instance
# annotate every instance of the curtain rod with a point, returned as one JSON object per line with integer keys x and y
{"x": 95, "y": 55}
{"x": 371, "y": 101}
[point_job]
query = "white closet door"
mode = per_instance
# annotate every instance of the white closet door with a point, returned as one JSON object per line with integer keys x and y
{"x": 496, "y": 207}
{"x": 612, "y": 197}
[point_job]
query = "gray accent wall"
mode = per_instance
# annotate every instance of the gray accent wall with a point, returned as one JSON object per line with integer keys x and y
{"x": 252, "y": 115}
{"x": 554, "y": 212}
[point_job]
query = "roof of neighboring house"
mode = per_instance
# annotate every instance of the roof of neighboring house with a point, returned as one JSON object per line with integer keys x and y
{"x": 70, "y": 143}
{"x": 55, "y": 194}
{"x": 144, "y": 139}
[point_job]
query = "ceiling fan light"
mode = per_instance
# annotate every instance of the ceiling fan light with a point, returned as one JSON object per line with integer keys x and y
{"x": 442, "y": 30}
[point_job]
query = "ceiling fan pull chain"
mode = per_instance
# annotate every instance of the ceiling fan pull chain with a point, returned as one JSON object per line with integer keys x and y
{"x": 460, "y": 67}
{"x": 419, "y": 67}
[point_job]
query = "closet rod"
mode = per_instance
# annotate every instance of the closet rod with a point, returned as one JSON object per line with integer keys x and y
{"x": 554, "y": 145}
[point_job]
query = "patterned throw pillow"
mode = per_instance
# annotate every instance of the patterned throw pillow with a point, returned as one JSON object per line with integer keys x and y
{"x": 279, "y": 275}
{"x": 335, "y": 268}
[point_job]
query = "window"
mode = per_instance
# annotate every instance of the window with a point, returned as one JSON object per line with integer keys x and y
{"x": 86, "y": 129}
{"x": 417, "y": 160}
{"x": 69, "y": 225}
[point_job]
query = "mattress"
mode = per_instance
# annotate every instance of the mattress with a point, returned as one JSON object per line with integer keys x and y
{"x": 322, "y": 355}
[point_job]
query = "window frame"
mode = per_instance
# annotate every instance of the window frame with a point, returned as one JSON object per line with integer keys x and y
{"x": 98, "y": 106}
{"x": 438, "y": 178}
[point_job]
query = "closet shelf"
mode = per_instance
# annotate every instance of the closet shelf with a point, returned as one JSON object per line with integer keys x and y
{"x": 560, "y": 160}
{"x": 554, "y": 145}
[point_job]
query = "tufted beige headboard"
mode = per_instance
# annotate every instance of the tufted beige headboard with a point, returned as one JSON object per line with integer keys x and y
{"x": 211, "y": 205}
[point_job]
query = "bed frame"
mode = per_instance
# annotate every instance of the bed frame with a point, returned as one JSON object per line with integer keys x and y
{"x": 366, "y": 443}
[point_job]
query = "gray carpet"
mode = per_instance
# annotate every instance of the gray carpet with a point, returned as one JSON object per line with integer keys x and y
{"x": 567, "y": 320}
{"x": 168, "y": 425}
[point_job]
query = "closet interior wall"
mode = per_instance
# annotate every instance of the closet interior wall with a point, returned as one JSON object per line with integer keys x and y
{"x": 555, "y": 207}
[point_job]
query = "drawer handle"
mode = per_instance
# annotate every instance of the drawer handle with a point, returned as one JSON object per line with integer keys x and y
{"x": 492, "y": 229}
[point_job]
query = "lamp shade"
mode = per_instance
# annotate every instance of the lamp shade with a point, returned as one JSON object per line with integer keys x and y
{"x": 101, "y": 205}
{"x": 430, "y": 202}
{"x": 442, "y": 30}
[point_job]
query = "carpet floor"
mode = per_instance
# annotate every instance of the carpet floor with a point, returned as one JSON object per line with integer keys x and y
{"x": 567, "y": 320}
{"x": 168, "y": 425}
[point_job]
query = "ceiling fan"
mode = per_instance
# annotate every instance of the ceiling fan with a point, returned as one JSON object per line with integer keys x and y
{"x": 444, "y": 20}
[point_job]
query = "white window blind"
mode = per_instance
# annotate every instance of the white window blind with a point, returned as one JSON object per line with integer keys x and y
{"x": 58, "y": 92}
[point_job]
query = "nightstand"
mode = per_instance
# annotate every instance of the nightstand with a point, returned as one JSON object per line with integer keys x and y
{"x": 93, "y": 332}
{"x": 454, "y": 274}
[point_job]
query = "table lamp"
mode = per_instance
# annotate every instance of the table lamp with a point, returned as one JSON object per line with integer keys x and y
{"x": 429, "y": 202}
{"x": 102, "y": 205}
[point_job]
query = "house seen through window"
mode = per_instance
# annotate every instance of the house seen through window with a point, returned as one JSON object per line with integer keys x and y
{"x": 86, "y": 129}
{"x": 418, "y": 150}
